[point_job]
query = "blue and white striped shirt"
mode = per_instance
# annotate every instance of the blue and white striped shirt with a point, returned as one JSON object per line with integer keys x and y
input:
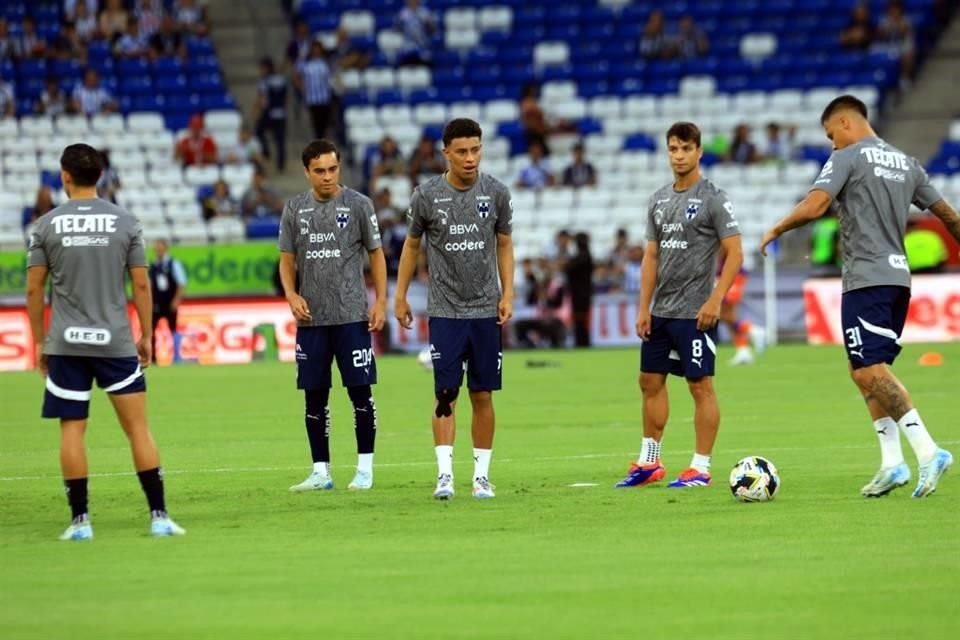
{"x": 316, "y": 81}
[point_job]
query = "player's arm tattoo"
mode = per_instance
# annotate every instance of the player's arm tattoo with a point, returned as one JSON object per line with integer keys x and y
{"x": 949, "y": 216}
{"x": 890, "y": 395}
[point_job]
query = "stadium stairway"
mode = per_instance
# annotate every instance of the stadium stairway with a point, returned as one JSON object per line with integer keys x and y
{"x": 245, "y": 31}
{"x": 921, "y": 121}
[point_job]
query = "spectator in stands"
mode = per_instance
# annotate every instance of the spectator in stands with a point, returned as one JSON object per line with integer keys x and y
{"x": 532, "y": 117}
{"x": 31, "y": 44}
{"x": 220, "y": 204}
{"x": 741, "y": 150}
{"x": 71, "y": 7}
{"x": 8, "y": 103}
{"x": 579, "y": 173}
{"x": 605, "y": 279}
{"x": 167, "y": 41}
{"x": 9, "y": 46}
{"x": 260, "y": 200}
{"x": 654, "y": 43}
{"x": 579, "y": 272}
{"x": 620, "y": 250}
{"x": 858, "y": 34}
{"x": 246, "y": 149}
{"x": 393, "y": 230}
{"x": 537, "y": 174}
{"x": 560, "y": 248}
{"x": 544, "y": 328}
{"x": 191, "y": 18}
{"x": 271, "y": 112}
{"x": 132, "y": 44}
{"x": 387, "y": 161}
{"x": 894, "y": 36}
{"x": 69, "y": 45}
{"x": 149, "y": 15}
{"x": 109, "y": 183}
{"x": 113, "y": 19}
{"x": 313, "y": 80}
{"x": 53, "y": 101}
{"x": 43, "y": 203}
{"x": 85, "y": 18}
{"x": 632, "y": 270}
{"x": 198, "y": 146}
{"x": 778, "y": 145}
{"x": 417, "y": 25}
{"x": 298, "y": 49}
{"x": 690, "y": 41}
{"x": 90, "y": 98}
{"x": 347, "y": 55}
{"x": 426, "y": 160}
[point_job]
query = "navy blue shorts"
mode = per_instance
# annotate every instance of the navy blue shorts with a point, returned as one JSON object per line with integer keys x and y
{"x": 676, "y": 346}
{"x": 873, "y": 320}
{"x": 474, "y": 345}
{"x": 70, "y": 383}
{"x": 350, "y": 343}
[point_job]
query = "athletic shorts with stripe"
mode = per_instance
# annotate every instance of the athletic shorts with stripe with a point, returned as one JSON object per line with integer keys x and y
{"x": 70, "y": 383}
{"x": 873, "y": 320}
{"x": 677, "y": 347}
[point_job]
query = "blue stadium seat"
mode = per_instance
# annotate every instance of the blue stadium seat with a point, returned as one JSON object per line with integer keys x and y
{"x": 267, "y": 227}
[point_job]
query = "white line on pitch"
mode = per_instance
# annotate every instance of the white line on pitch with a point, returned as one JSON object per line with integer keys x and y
{"x": 586, "y": 456}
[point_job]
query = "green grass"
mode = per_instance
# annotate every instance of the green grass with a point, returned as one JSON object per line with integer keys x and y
{"x": 542, "y": 560}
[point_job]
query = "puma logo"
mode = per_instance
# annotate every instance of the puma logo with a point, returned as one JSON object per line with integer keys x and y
{"x": 912, "y": 424}
{"x": 697, "y": 361}
{"x": 858, "y": 353}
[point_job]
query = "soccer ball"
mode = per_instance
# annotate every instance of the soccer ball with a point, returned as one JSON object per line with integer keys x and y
{"x": 754, "y": 479}
{"x": 425, "y": 358}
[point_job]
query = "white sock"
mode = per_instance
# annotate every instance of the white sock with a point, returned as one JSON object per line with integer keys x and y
{"x": 365, "y": 462}
{"x": 649, "y": 451}
{"x": 481, "y": 463}
{"x": 444, "y": 459}
{"x": 701, "y": 463}
{"x": 323, "y": 468}
{"x": 923, "y": 445}
{"x": 890, "y": 452}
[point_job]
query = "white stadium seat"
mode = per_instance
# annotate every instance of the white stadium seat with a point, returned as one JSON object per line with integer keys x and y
{"x": 495, "y": 18}
{"x": 357, "y": 22}
{"x": 461, "y": 40}
{"x": 222, "y": 119}
{"x": 378, "y": 78}
{"x": 460, "y": 19}
{"x": 501, "y": 111}
{"x": 755, "y": 47}
{"x": 390, "y": 42}
{"x": 551, "y": 53}
{"x": 145, "y": 122}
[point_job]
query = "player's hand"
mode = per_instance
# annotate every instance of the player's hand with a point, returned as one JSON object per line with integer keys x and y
{"x": 504, "y": 310}
{"x": 378, "y": 315}
{"x": 41, "y": 359}
{"x": 401, "y": 309}
{"x": 145, "y": 351}
{"x": 644, "y": 322}
{"x": 299, "y": 307}
{"x": 708, "y": 315}
{"x": 769, "y": 236}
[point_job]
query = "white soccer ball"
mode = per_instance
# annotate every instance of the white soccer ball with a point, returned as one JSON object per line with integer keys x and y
{"x": 754, "y": 479}
{"x": 425, "y": 358}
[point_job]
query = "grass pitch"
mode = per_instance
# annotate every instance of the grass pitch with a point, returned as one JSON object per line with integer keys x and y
{"x": 542, "y": 560}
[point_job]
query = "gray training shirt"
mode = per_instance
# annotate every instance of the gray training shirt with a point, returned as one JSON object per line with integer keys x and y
{"x": 873, "y": 185}
{"x": 687, "y": 227}
{"x": 461, "y": 229}
{"x": 329, "y": 239}
{"x": 88, "y": 245}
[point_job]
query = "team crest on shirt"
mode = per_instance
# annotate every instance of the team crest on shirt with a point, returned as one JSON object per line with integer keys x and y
{"x": 483, "y": 209}
{"x": 693, "y": 208}
{"x": 343, "y": 219}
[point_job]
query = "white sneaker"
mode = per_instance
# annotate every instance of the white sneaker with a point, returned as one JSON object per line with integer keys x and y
{"x": 361, "y": 481}
{"x": 742, "y": 356}
{"x": 78, "y": 532}
{"x": 165, "y": 527}
{"x": 758, "y": 338}
{"x": 316, "y": 481}
{"x": 482, "y": 488}
{"x": 444, "y": 490}
{"x": 886, "y": 480}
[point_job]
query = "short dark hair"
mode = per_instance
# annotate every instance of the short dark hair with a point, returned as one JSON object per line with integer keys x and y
{"x": 845, "y": 101}
{"x": 685, "y": 132}
{"x": 83, "y": 163}
{"x": 461, "y": 128}
{"x": 318, "y": 148}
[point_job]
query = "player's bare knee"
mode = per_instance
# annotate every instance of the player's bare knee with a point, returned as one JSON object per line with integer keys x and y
{"x": 651, "y": 383}
{"x": 701, "y": 388}
{"x": 481, "y": 399}
{"x": 863, "y": 377}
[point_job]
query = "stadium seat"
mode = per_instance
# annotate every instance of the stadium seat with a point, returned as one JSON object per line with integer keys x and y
{"x": 73, "y": 126}
{"x": 390, "y": 43}
{"x": 460, "y": 19}
{"x": 37, "y": 126}
{"x": 379, "y": 78}
{"x": 755, "y": 47}
{"x": 204, "y": 175}
{"x": 501, "y": 111}
{"x": 546, "y": 54}
{"x": 410, "y": 78}
{"x": 357, "y": 22}
{"x": 226, "y": 230}
{"x": 461, "y": 40}
{"x": 222, "y": 119}
{"x": 495, "y": 18}
{"x": 430, "y": 113}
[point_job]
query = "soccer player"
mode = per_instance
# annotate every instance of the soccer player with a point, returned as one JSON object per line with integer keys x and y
{"x": 466, "y": 217}
{"x": 85, "y": 246}
{"x": 324, "y": 234}
{"x": 688, "y": 222}
{"x": 871, "y": 185}
{"x": 744, "y": 332}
